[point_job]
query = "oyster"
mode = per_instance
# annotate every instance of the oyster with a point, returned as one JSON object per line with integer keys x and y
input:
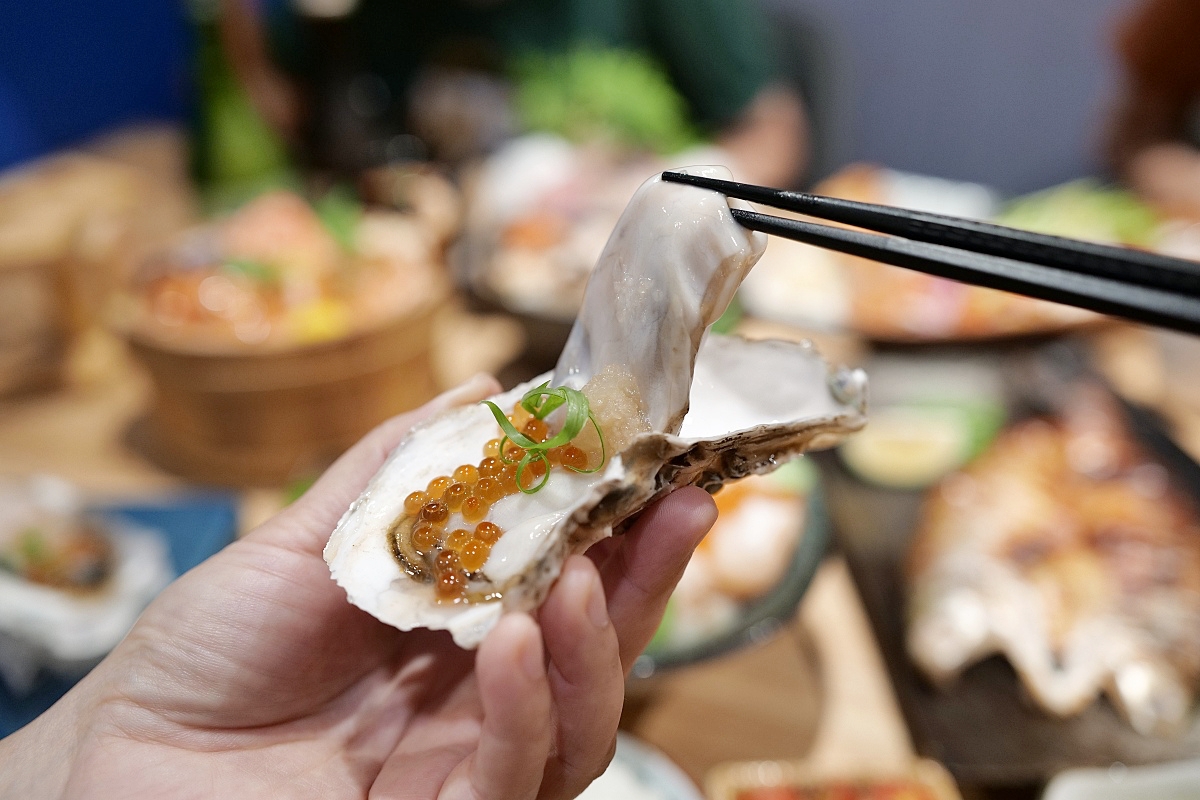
{"x": 676, "y": 407}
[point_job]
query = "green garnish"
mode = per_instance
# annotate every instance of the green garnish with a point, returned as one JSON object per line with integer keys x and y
{"x": 541, "y": 402}
{"x": 253, "y": 270}
{"x": 340, "y": 212}
{"x": 33, "y": 545}
{"x": 592, "y": 92}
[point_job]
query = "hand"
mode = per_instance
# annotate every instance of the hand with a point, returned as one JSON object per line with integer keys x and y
{"x": 252, "y": 676}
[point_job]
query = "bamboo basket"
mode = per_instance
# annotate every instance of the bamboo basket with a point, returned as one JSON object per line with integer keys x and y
{"x": 267, "y": 418}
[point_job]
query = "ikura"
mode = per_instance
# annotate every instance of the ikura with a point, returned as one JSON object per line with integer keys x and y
{"x": 452, "y": 551}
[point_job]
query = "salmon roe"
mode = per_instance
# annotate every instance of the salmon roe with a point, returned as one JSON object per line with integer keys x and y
{"x": 435, "y": 512}
{"x": 413, "y": 503}
{"x": 474, "y": 509}
{"x": 537, "y": 430}
{"x": 469, "y": 492}
{"x": 458, "y": 539}
{"x": 455, "y": 494}
{"x": 488, "y": 490}
{"x": 438, "y": 486}
{"x": 572, "y": 457}
{"x": 474, "y": 555}
{"x": 488, "y": 532}
{"x": 451, "y": 585}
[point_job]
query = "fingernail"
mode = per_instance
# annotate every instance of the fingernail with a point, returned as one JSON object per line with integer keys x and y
{"x": 597, "y": 605}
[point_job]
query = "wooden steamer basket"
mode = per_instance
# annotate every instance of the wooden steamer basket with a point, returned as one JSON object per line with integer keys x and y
{"x": 264, "y": 417}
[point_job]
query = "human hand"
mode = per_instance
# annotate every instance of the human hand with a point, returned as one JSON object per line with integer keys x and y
{"x": 253, "y": 676}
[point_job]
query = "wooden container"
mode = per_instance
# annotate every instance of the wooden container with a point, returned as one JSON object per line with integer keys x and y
{"x": 34, "y": 312}
{"x": 264, "y": 418}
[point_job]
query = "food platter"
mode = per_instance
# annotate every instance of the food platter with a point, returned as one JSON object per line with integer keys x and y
{"x": 194, "y": 525}
{"x": 803, "y": 285}
{"x": 765, "y": 615}
{"x": 1019, "y": 745}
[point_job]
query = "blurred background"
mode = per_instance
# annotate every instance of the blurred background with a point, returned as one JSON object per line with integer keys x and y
{"x": 237, "y": 234}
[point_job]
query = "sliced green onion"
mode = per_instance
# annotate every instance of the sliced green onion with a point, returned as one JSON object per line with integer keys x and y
{"x": 542, "y": 401}
{"x": 525, "y": 462}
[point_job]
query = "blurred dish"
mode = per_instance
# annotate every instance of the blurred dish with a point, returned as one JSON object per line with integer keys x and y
{"x": 929, "y": 417}
{"x": 1020, "y": 744}
{"x": 279, "y": 336}
{"x": 1065, "y": 548}
{"x": 795, "y": 780}
{"x": 750, "y": 572}
{"x": 1084, "y": 209}
{"x": 280, "y": 273}
{"x": 1177, "y": 781}
{"x": 539, "y": 212}
{"x": 71, "y": 585}
{"x": 68, "y": 224}
{"x": 890, "y": 304}
{"x": 640, "y": 772}
{"x": 194, "y": 526}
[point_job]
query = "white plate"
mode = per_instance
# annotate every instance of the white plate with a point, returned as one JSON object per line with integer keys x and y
{"x": 640, "y": 772}
{"x": 1177, "y": 781}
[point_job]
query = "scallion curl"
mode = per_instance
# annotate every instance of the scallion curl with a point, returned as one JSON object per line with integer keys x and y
{"x": 540, "y": 402}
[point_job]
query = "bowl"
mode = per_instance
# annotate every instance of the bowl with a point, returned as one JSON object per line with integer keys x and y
{"x": 758, "y": 619}
{"x": 265, "y": 417}
{"x": 642, "y": 772}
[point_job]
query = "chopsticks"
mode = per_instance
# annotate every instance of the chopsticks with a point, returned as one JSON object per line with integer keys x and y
{"x": 1140, "y": 286}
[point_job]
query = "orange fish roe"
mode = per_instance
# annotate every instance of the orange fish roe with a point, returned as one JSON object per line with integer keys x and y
{"x": 446, "y": 561}
{"x": 424, "y": 538}
{"x": 474, "y": 509}
{"x": 435, "y": 512}
{"x": 467, "y": 474}
{"x": 470, "y": 491}
{"x": 458, "y": 539}
{"x": 571, "y": 456}
{"x": 533, "y": 473}
{"x": 488, "y": 532}
{"x": 508, "y": 478}
{"x": 438, "y": 486}
{"x": 537, "y": 430}
{"x": 455, "y": 494}
{"x": 451, "y": 585}
{"x": 413, "y": 503}
{"x": 474, "y": 555}
{"x": 488, "y": 490}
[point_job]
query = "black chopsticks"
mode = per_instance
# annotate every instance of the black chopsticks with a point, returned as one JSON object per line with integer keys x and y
{"x": 1141, "y": 286}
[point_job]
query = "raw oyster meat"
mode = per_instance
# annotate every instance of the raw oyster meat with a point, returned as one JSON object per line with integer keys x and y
{"x": 677, "y": 407}
{"x": 1064, "y": 548}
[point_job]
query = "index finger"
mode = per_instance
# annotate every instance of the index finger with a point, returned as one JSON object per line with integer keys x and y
{"x": 640, "y": 568}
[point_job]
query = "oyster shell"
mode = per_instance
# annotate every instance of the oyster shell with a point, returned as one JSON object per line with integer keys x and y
{"x": 715, "y": 408}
